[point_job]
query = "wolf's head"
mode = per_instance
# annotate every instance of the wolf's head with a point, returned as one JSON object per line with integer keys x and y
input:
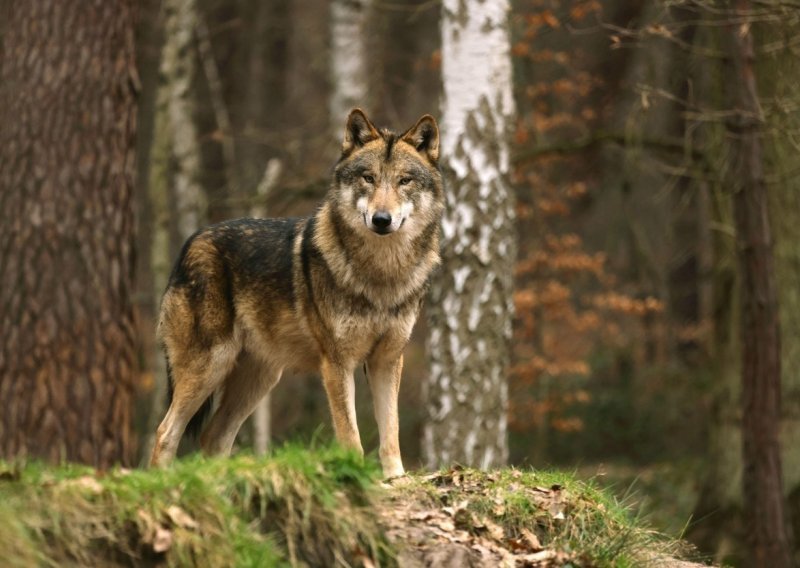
{"x": 386, "y": 183}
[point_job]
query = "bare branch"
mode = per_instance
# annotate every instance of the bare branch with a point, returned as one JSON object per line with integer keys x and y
{"x": 221, "y": 114}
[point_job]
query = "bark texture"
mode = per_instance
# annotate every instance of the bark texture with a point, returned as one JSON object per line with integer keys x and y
{"x": 779, "y": 78}
{"x": 178, "y": 205}
{"x": 67, "y": 110}
{"x": 471, "y": 308}
{"x": 175, "y": 119}
{"x": 262, "y": 415}
{"x": 761, "y": 355}
{"x": 348, "y": 60}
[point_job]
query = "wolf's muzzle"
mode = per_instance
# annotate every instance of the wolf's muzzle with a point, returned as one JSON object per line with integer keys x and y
{"x": 382, "y": 222}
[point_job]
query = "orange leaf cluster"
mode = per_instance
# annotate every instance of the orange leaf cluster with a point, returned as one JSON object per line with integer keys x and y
{"x": 581, "y": 10}
{"x": 627, "y": 305}
{"x": 569, "y": 303}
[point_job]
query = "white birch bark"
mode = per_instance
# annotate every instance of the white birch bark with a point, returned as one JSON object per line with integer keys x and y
{"x": 348, "y": 60}
{"x": 178, "y": 64}
{"x": 472, "y": 306}
{"x": 175, "y": 167}
{"x": 262, "y": 416}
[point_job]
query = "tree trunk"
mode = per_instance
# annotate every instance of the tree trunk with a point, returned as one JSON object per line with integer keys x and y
{"x": 262, "y": 416}
{"x": 786, "y": 209}
{"x": 761, "y": 387}
{"x": 308, "y": 93}
{"x": 779, "y": 75}
{"x": 177, "y": 200}
{"x": 175, "y": 118}
{"x": 471, "y": 307}
{"x": 67, "y": 109}
{"x": 348, "y": 60}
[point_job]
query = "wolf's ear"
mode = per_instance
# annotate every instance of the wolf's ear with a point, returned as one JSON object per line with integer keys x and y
{"x": 424, "y": 136}
{"x": 359, "y": 131}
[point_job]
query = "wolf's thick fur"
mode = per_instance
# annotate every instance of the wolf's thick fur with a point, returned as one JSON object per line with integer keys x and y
{"x": 249, "y": 298}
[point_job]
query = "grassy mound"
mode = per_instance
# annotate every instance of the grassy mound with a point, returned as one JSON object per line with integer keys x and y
{"x": 519, "y": 518}
{"x": 320, "y": 508}
{"x": 294, "y": 507}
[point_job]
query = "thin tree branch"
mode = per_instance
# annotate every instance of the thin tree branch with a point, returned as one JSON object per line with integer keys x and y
{"x": 221, "y": 114}
{"x": 672, "y": 146}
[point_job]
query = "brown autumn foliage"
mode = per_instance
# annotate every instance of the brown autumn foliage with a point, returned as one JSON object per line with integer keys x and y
{"x": 569, "y": 300}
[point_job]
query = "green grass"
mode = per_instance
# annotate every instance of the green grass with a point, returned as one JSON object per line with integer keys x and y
{"x": 292, "y": 507}
{"x": 663, "y": 493}
{"x": 584, "y": 523}
{"x": 296, "y": 507}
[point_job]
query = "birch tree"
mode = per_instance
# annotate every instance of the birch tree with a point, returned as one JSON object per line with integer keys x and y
{"x": 68, "y": 116}
{"x": 177, "y": 199}
{"x": 471, "y": 302}
{"x": 348, "y": 60}
{"x": 175, "y": 119}
{"x": 262, "y": 415}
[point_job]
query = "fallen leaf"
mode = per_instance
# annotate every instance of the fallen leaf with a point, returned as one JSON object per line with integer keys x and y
{"x": 87, "y": 482}
{"x": 181, "y": 518}
{"x": 540, "y": 556}
{"x": 154, "y": 535}
{"x": 162, "y": 540}
{"x": 445, "y": 524}
{"x": 531, "y": 539}
{"x": 499, "y": 507}
{"x": 484, "y": 552}
{"x": 495, "y": 531}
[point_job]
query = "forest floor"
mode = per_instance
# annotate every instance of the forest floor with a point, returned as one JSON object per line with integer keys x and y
{"x": 325, "y": 507}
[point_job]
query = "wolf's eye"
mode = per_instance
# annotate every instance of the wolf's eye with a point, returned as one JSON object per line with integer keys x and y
{"x": 405, "y": 181}
{"x": 368, "y": 178}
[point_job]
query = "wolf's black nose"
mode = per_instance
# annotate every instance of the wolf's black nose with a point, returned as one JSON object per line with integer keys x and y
{"x": 382, "y": 219}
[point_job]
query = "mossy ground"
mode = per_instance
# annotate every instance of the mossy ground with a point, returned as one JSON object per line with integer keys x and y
{"x": 324, "y": 507}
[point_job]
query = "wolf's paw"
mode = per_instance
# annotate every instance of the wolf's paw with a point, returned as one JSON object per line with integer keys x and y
{"x": 392, "y": 467}
{"x": 401, "y": 480}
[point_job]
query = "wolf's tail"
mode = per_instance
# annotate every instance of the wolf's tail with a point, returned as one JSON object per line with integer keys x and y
{"x": 196, "y": 422}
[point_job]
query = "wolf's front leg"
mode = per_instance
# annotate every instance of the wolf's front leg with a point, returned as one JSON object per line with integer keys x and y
{"x": 383, "y": 372}
{"x": 340, "y": 387}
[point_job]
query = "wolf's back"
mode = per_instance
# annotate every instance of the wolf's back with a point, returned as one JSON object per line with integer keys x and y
{"x": 218, "y": 267}
{"x": 242, "y": 249}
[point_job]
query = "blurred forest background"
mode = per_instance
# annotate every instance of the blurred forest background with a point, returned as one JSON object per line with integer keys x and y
{"x": 626, "y": 353}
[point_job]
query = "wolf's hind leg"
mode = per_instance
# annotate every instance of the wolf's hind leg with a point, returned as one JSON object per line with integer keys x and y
{"x": 194, "y": 381}
{"x": 249, "y": 382}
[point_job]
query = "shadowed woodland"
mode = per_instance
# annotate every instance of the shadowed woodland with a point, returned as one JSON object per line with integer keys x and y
{"x": 620, "y": 288}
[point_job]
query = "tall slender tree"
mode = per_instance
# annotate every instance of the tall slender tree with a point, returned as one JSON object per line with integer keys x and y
{"x": 760, "y": 333}
{"x": 67, "y": 109}
{"x": 778, "y": 78}
{"x": 175, "y": 121}
{"x": 471, "y": 308}
{"x": 348, "y": 60}
{"x": 177, "y": 201}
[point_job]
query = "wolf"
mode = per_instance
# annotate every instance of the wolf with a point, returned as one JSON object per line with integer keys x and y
{"x": 250, "y": 298}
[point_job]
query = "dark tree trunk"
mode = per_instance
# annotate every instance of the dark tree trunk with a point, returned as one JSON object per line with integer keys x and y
{"x": 67, "y": 125}
{"x": 761, "y": 372}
